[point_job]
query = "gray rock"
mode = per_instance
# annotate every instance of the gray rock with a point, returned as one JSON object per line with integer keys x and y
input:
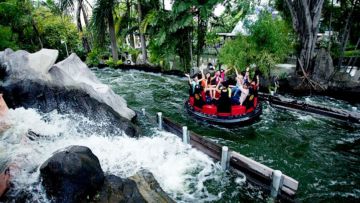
{"x": 70, "y": 73}
{"x": 73, "y": 72}
{"x": 149, "y": 187}
{"x": 34, "y": 81}
{"x": 323, "y": 67}
{"x": 142, "y": 187}
{"x": 72, "y": 175}
{"x": 116, "y": 189}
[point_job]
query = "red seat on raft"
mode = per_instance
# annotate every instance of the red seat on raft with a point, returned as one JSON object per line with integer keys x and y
{"x": 209, "y": 109}
{"x": 255, "y": 101}
{"x": 250, "y": 109}
{"x": 224, "y": 114}
{"x": 238, "y": 110}
{"x": 191, "y": 101}
{"x": 197, "y": 109}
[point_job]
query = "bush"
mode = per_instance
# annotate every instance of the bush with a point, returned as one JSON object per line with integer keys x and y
{"x": 110, "y": 62}
{"x": 95, "y": 56}
{"x": 269, "y": 43}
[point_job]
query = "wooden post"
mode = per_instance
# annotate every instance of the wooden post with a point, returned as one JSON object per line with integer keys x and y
{"x": 225, "y": 158}
{"x": 143, "y": 112}
{"x": 159, "y": 114}
{"x": 276, "y": 184}
{"x": 185, "y": 135}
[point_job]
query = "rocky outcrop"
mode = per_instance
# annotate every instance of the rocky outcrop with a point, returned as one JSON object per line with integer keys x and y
{"x": 34, "y": 81}
{"x": 64, "y": 73}
{"x": 141, "y": 187}
{"x": 72, "y": 175}
{"x": 116, "y": 189}
{"x": 75, "y": 175}
{"x": 149, "y": 187}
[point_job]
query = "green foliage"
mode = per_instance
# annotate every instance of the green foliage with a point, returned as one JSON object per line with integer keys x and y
{"x": 17, "y": 25}
{"x": 6, "y": 40}
{"x": 110, "y": 62}
{"x": 238, "y": 53}
{"x": 54, "y": 28}
{"x": 352, "y": 53}
{"x": 269, "y": 43}
{"x": 102, "y": 11}
{"x": 272, "y": 35}
{"x": 132, "y": 51}
{"x": 95, "y": 56}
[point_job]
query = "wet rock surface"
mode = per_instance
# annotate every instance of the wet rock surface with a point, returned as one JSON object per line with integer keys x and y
{"x": 149, "y": 187}
{"x": 75, "y": 175}
{"x": 141, "y": 187}
{"x": 72, "y": 175}
{"x": 116, "y": 189}
{"x": 34, "y": 81}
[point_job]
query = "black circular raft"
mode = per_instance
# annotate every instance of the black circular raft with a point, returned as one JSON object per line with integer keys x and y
{"x": 239, "y": 115}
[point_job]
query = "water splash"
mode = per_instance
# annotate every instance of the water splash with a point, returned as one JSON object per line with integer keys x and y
{"x": 181, "y": 171}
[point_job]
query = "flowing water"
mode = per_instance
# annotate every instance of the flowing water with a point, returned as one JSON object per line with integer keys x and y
{"x": 322, "y": 154}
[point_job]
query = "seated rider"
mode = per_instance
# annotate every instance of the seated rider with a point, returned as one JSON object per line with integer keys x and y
{"x": 224, "y": 102}
{"x": 244, "y": 92}
{"x": 196, "y": 89}
{"x": 235, "y": 99}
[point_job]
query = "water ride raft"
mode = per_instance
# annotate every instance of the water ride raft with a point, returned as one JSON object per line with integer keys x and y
{"x": 239, "y": 115}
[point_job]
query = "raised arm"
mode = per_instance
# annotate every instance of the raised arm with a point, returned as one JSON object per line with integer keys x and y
{"x": 227, "y": 70}
{"x": 188, "y": 76}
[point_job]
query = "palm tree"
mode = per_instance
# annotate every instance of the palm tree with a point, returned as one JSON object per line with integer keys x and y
{"x": 142, "y": 36}
{"x": 102, "y": 20}
{"x": 80, "y": 9}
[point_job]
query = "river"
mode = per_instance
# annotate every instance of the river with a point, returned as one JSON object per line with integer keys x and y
{"x": 321, "y": 153}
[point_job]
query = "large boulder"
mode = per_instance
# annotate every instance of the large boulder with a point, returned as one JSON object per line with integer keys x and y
{"x": 72, "y": 175}
{"x": 34, "y": 81}
{"x": 64, "y": 73}
{"x": 141, "y": 187}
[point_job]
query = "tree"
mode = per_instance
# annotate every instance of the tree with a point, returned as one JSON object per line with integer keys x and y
{"x": 269, "y": 43}
{"x": 348, "y": 26}
{"x": 20, "y": 29}
{"x": 103, "y": 20}
{"x": 305, "y": 17}
{"x": 141, "y": 33}
{"x": 54, "y": 28}
{"x": 80, "y": 9}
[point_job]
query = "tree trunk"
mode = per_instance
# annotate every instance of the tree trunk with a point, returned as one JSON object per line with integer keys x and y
{"x": 87, "y": 24}
{"x": 36, "y": 32}
{"x": 128, "y": 16}
{"x": 346, "y": 33}
{"x": 306, "y": 17}
{"x": 202, "y": 25}
{"x": 86, "y": 19}
{"x": 142, "y": 37}
{"x": 114, "y": 48}
{"x": 189, "y": 41}
{"x": 79, "y": 26}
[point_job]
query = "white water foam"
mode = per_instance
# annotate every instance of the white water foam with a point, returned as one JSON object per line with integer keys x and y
{"x": 181, "y": 171}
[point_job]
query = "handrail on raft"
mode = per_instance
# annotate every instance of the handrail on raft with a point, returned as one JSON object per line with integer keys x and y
{"x": 257, "y": 173}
